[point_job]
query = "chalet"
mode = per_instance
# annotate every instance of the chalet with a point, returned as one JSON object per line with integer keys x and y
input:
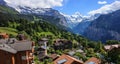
{"x": 21, "y": 37}
{"x": 110, "y": 47}
{"x": 71, "y": 53}
{"x": 54, "y": 56}
{"x": 66, "y": 59}
{"x": 42, "y": 48}
{"x": 13, "y": 51}
{"x": 62, "y": 44}
{"x": 93, "y": 60}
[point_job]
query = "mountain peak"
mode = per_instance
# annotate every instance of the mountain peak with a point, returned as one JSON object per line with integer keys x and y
{"x": 77, "y": 14}
{"x": 29, "y": 10}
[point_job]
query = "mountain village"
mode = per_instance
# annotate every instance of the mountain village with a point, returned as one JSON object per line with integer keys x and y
{"x": 21, "y": 50}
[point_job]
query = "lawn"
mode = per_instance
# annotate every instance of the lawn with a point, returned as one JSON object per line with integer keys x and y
{"x": 8, "y": 30}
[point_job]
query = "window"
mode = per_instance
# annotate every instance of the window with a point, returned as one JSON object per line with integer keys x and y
{"x": 24, "y": 58}
{"x": 61, "y": 61}
{"x": 91, "y": 63}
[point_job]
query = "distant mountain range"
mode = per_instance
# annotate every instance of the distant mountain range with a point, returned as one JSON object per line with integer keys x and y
{"x": 97, "y": 27}
{"x": 46, "y": 13}
{"x": 105, "y": 27}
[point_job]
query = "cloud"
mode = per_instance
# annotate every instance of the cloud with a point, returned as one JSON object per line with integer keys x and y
{"x": 102, "y": 2}
{"x": 34, "y": 3}
{"x": 106, "y": 8}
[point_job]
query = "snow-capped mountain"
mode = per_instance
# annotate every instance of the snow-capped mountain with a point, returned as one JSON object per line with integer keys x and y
{"x": 73, "y": 20}
{"x": 84, "y": 24}
{"x": 38, "y": 11}
{"x": 105, "y": 27}
{"x": 49, "y": 14}
{"x": 78, "y": 23}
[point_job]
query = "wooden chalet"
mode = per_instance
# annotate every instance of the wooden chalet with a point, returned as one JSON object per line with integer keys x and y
{"x": 66, "y": 59}
{"x": 93, "y": 60}
{"x": 13, "y": 51}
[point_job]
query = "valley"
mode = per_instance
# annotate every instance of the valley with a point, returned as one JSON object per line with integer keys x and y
{"x": 47, "y": 36}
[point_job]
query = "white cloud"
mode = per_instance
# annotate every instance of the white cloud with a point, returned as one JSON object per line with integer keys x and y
{"x": 102, "y": 2}
{"x": 34, "y": 3}
{"x": 106, "y": 8}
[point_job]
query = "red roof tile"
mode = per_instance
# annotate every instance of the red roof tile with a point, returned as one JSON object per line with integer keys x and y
{"x": 93, "y": 60}
{"x": 67, "y": 60}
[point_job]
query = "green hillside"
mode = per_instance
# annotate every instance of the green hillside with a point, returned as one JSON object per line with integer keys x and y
{"x": 6, "y": 9}
{"x": 37, "y": 28}
{"x": 8, "y": 30}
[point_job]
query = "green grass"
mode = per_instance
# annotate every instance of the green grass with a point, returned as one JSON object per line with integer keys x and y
{"x": 45, "y": 33}
{"x": 7, "y": 9}
{"x": 8, "y": 30}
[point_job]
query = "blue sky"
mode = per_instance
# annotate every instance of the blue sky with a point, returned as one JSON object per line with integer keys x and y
{"x": 83, "y": 6}
{"x": 69, "y": 7}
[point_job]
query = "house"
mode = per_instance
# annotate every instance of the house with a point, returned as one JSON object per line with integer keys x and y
{"x": 13, "y": 51}
{"x": 110, "y": 47}
{"x": 62, "y": 44}
{"x": 54, "y": 56}
{"x": 93, "y": 60}
{"x": 42, "y": 48}
{"x": 21, "y": 37}
{"x": 80, "y": 51}
{"x": 4, "y": 35}
{"x": 71, "y": 53}
{"x": 66, "y": 59}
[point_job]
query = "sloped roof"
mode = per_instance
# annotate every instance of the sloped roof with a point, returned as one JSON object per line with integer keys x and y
{"x": 22, "y": 45}
{"x": 15, "y": 46}
{"x": 69, "y": 59}
{"x": 7, "y": 41}
{"x": 79, "y": 50}
{"x": 7, "y": 48}
{"x": 3, "y": 41}
{"x": 71, "y": 53}
{"x": 53, "y": 56}
{"x": 109, "y": 47}
{"x": 45, "y": 39}
{"x": 93, "y": 60}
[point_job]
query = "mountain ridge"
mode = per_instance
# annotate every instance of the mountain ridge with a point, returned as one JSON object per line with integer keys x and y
{"x": 96, "y": 27}
{"x": 106, "y": 27}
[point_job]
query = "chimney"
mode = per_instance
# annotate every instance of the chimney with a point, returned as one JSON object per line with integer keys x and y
{"x": 13, "y": 41}
{"x": 21, "y": 37}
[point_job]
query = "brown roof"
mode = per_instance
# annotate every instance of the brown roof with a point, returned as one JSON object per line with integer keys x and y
{"x": 16, "y": 45}
{"x": 7, "y": 41}
{"x": 110, "y": 47}
{"x": 22, "y": 45}
{"x": 44, "y": 39}
{"x": 3, "y": 41}
{"x": 58, "y": 42}
{"x": 66, "y": 59}
{"x": 7, "y": 48}
{"x": 93, "y": 60}
{"x": 54, "y": 56}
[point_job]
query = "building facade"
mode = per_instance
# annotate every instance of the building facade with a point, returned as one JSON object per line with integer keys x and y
{"x": 13, "y": 51}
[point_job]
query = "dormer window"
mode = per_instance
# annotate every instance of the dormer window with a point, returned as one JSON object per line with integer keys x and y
{"x": 91, "y": 63}
{"x": 61, "y": 61}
